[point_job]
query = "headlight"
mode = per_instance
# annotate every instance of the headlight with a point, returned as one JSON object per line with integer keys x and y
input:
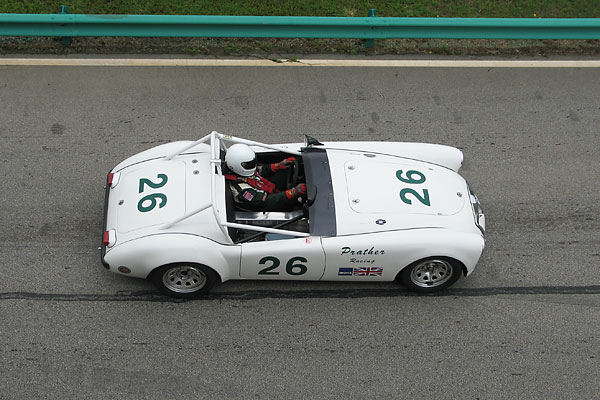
{"x": 477, "y": 212}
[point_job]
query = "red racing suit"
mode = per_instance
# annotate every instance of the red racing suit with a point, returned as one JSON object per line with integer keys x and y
{"x": 261, "y": 194}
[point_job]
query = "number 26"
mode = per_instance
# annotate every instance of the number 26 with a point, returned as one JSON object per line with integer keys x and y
{"x": 291, "y": 267}
{"x": 152, "y": 197}
{"x": 413, "y": 178}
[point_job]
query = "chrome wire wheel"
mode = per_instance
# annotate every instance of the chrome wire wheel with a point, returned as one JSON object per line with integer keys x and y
{"x": 431, "y": 273}
{"x": 184, "y": 279}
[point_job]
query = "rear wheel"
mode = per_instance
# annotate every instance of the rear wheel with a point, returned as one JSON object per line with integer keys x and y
{"x": 431, "y": 274}
{"x": 184, "y": 281}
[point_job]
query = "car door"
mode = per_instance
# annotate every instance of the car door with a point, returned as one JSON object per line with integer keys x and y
{"x": 286, "y": 259}
{"x": 361, "y": 258}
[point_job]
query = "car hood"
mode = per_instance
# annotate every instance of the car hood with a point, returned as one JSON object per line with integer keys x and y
{"x": 380, "y": 192}
{"x": 401, "y": 188}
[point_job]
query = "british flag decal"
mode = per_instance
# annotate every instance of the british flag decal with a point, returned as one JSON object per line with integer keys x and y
{"x": 360, "y": 271}
{"x": 367, "y": 271}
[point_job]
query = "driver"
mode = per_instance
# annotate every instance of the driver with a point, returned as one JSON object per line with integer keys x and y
{"x": 250, "y": 187}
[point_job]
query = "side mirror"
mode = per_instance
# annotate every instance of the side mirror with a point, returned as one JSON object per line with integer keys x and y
{"x": 310, "y": 141}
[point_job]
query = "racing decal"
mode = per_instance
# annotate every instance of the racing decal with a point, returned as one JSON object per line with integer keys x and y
{"x": 292, "y": 267}
{"x": 413, "y": 177}
{"x": 143, "y": 205}
{"x": 361, "y": 261}
{"x": 365, "y": 252}
{"x": 362, "y": 252}
{"x": 360, "y": 271}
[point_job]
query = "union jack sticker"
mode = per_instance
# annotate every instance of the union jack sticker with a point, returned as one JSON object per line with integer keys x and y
{"x": 247, "y": 195}
{"x": 367, "y": 271}
{"x": 360, "y": 271}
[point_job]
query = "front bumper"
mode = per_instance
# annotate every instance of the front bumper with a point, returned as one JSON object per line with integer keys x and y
{"x": 477, "y": 212}
{"x": 103, "y": 247}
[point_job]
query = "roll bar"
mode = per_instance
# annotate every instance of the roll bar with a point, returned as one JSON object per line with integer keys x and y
{"x": 215, "y": 138}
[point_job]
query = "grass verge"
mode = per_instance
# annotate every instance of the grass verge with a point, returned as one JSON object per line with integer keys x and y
{"x": 339, "y": 8}
{"x": 286, "y": 48}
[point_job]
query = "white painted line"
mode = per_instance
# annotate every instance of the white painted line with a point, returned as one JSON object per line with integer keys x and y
{"x": 458, "y": 63}
{"x": 184, "y": 62}
{"x": 135, "y": 62}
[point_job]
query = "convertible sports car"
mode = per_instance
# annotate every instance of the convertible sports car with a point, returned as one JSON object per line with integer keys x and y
{"x": 373, "y": 211}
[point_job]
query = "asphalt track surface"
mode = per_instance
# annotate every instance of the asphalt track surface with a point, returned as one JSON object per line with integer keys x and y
{"x": 524, "y": 325}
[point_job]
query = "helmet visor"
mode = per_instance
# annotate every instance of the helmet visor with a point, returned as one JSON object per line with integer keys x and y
{"x": 249, "y": 164}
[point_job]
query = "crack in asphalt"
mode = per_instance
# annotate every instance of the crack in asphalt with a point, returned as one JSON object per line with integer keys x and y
{"x": 150, "y": 296}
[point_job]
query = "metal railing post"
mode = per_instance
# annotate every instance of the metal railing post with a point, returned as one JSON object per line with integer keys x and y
{"x": 369, "y": 43}
{"x": 64, "y": 10}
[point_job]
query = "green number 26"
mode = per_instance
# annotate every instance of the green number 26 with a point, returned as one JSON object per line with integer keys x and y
{"x": 414, "y": 178}
{"x": 292, "y": 267}
{"x": 143, "y": 205}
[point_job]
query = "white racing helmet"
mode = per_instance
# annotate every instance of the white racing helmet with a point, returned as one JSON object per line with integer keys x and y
{"x": 241, "y": 160}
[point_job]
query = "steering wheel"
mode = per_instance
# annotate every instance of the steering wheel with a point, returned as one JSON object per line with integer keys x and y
{"x": 292, "y": 175}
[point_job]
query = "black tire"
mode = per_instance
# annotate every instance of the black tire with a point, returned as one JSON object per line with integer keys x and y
{"x": 430, "y": 275}
{"x": 184, "y": 280}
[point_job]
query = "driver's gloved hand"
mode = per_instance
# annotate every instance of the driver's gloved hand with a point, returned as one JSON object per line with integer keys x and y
{"x": 296, "y": 191}
{"x": 285, "y": 164}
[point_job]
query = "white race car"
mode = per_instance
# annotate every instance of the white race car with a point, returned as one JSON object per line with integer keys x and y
{"x": 373, "y": 211}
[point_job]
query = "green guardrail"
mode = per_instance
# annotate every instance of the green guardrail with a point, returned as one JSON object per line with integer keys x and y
{"x": 71, "y": 25}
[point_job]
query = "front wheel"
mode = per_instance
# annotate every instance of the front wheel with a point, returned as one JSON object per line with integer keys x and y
{"x": 184, "y": 281}
{"x": 431, "y": 274}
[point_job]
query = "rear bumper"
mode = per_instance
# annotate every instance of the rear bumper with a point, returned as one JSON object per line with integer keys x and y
{"x": 103, "y": 247}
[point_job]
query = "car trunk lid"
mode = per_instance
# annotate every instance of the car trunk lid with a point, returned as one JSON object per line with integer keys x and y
{"x": 150, "y": 193}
